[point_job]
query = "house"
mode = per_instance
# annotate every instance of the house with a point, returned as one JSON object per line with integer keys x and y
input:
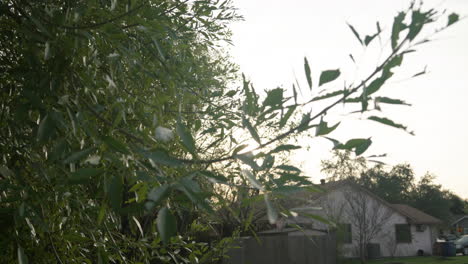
{"x": 366, "y": 223}
{"x": 461, "y": 225}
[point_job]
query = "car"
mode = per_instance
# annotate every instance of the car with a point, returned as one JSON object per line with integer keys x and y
{"x": 461, "y": 243}
{"x": 449, "y": 237}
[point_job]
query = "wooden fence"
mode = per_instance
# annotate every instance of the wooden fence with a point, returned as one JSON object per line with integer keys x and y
{"x": 285, "y": 249}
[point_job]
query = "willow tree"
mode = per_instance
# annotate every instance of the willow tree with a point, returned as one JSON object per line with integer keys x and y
{"x": 118, "y": 122}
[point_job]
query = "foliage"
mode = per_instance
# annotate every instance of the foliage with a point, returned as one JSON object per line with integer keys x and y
{"x": 343, "y": 166}
{"x": 121, "y": 137}
{"x": 432, "y": 199}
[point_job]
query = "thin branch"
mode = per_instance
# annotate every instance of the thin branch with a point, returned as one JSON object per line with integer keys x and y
{"x": 55, "y": 250}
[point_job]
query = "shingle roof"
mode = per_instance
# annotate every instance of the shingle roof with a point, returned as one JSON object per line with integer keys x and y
{"x": 458, "y": 218}
{"x": 414, "y": 215}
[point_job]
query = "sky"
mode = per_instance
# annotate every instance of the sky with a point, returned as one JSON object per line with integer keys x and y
{"x": 275, "y": 36}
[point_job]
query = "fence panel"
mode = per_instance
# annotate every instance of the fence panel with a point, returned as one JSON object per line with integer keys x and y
{"x": 284, "y": 249}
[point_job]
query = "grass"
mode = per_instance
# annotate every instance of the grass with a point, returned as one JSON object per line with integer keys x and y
{"x": 415, "y": 260}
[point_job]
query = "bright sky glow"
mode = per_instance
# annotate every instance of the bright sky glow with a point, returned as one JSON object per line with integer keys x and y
{"x": 270, "y": 46}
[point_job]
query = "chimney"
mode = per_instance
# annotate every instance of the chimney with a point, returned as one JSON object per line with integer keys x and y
{"x": 322, "y": 181}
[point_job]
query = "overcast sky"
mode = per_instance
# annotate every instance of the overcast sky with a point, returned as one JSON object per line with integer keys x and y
{"x": 270, "y": 46}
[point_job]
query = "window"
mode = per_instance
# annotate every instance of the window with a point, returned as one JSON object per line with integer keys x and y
{"x": 344, "y": 231}
{"x": 403, "y": 233}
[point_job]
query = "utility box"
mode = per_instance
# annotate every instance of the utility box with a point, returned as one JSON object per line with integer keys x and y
{"x": 373, "y": 251}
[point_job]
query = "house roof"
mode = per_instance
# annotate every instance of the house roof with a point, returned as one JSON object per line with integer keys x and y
{"x": 330, "y": 186}
{"x": 414, "y": 215}
{"x": 459, "y": 218}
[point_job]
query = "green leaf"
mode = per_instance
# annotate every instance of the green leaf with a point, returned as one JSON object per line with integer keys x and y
{"x": 387, "y": 100}
{"x": 186, "y": 137}
{"x": 353, "y": 100}
{"x": 239, "y": 148}
{"x": 364, "y": 100}
{"x": 102, "y": 213}
{"x": 58, "y": 150}
{"x": 190, "y": 184}
{"x": 274, "y": 97}
{"x": 452, "y": 18}
{"x": 363, "y": 147}
{"x": 356, "y": 34}
{"x": 394, "y": 62}
{"x": 368, "y": 39}
{"x": 79, "y": 155}
{"x": 193, "y": 191}
{"x": 250, "y": 106}
{"x": 328, "y": 95}
{"x": 248, "y": 159}
{"x": 22, "y": 258}
{"x": 159, "y": 49}
{"x": 253, "y": 132}
{"x": 335, "y": 142}
{"x": 118, "y": 119}
{"x": 420, "y": 73}
{"x": 45, "y": 129}
{"x": 115, "y": 145}
{"x": 328, "y": 76}
{"x": 295, "y": 94}
{"x": 375, "y": 85}
{"x": 40, "y": 26}
{"x": 397, "y": 27}
{"x": 102, "y": 256}
{"x": 231, "y": 93}
{"x": 271, "y": 211}
{"x": 6, "y": 172}
{"x": 359, "y": 145}
{"x": 166, "y": 224}
{"x": 285, "y": 147}
{"x": 161, "y": 157}
{"x": 212, "y": 177}
{"x": 288, "y": 168}
{"x": 84, "y": 175}
{"x": 116, "y": 192}
{"x": 352, "y": 143}
{"x": 387, "y": 122}
{"x": 308, "y": 73}
{"x": 268, "y": 162}
{"x": 253, "y": 181}
{"x": 137, "y": 223}
{"x": 417, "y": 22}
{"x": 157, "y": 194}
{"x": 323, "y": 128}
{"x": 285, "y": 118}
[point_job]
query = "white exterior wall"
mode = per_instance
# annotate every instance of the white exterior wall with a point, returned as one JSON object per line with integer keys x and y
{"x": 335, "y": 207}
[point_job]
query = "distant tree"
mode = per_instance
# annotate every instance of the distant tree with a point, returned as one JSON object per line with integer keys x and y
{"x": 344, "y": 165}
{"x": 395, "y": 186}
{"x": 431, "y": 198}
{"x": 457, "y": 204}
